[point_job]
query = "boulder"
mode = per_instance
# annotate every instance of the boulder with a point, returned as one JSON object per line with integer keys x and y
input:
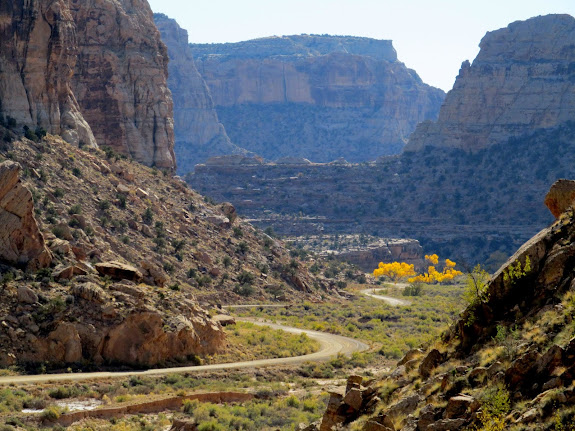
{"x": 522, "y": 367}
{"x": 119, "y": 271}
{"x": 429, "y": 363}
{"x": 26, "y": 295}
{"x": 69, "y": 272}
{"x": 353, "y": 398}
{"x": 459, "y": 406}
{"x": 404, "y": 406}
{"x": 410, "y": 356}
{"x": 560, "y": 197}
{"x": 90, "y": 292}
{"x": 447, "y": 425}
{"x": 427, "y": 415}
{"x": 224, "y": 319}
{"x": 21, "y": 242}
{"x": 184, "y": 425}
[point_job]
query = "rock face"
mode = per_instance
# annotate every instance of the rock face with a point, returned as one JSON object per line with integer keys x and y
{"x": 521, "y": 80}
{"x": 318, "y": 97}
{"x": 198, "y": 131}
{"x": 37, "y": 58}
{"x": 120, "y": 79}
{"x": 21, "y": 242}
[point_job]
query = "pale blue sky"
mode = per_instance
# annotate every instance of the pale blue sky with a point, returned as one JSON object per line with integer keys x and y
{"x": 431, "y": 36}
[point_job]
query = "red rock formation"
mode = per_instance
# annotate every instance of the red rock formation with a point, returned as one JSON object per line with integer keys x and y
{"x": 37, "y": 58}
{"x": 120, "y": 79}
{"x": 21, "y": 242}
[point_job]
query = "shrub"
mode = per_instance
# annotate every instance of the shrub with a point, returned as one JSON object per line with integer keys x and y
{"x": 148, "y": 216}
{"x": 75, "y": 209}
{"x": 76, "y": 172}
{"x": 414, "y": 289}
{"x": 246, "y": 277}
{"x": 242, "y": 247}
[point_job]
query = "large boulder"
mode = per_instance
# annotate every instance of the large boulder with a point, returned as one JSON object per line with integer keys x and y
{"x": 21, "y": 242}
{"x": 560, "y": 197}
{"x": 119, "y": 271}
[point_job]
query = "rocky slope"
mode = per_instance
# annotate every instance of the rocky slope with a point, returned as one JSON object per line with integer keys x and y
{"x": 198, "y": 131}
{"x": 318, "y": 97}
{"x": 520, "y": 81}
{"x": 37, "y": 57}
{"x": 120, "y": 79}
{"x": 508, "y": 363}
{"x": 110, "y": 262}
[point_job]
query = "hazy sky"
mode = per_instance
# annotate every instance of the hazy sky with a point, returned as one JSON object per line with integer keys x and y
{"x": 431, "y": 36}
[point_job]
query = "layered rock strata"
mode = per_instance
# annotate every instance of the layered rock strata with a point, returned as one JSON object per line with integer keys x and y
{"x": 120, "y": 79}
{"x": 198, "y": 131}
{"x": 318, "y": 97}
{"x": 37, "y": 58}
{"x": 521, "y": 80}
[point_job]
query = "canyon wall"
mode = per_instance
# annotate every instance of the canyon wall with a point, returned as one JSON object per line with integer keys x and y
{"x": 318, "y": 97}
{"x": 521, "y": 80}
{"x": 37, "y": 58}
{"x": 198, "y": 131}
{"x": 120, "y": 79}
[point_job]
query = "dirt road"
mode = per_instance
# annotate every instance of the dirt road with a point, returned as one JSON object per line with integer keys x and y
{"x": 331, "y": 345}
{"x": 391, "y": 301}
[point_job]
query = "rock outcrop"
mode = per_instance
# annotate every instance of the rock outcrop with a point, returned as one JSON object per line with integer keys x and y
{"x": 21, "y": 242}
{"x": 318, "y": 97}
{"x": 521, "y": 80}
{"x": 198, "y": 132}
{"x": 120, "y": 79}
{"x": 37, "y": 57}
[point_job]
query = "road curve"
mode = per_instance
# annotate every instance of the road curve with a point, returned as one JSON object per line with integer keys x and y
{"x": 330, "y": 346}
{"x": 391, "y": 301}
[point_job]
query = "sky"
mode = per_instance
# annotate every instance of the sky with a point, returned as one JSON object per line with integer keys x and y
{"x": 433, "y": 37}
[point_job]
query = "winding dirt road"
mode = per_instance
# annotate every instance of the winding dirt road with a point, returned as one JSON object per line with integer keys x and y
{"x": 390, "y": 300}
{"x": 330, "y": 346}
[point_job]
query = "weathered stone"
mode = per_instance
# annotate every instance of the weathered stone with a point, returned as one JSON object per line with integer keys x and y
{"x": 560, "y": 197}
{"x": 145, "y": 339}
{"x": 333, "y": 416}
{"x": 21, "y": 242}
{"x": 68, "y": 272}
{"x": 459, "y": 406}
{"x": 26, "y": 295}
{"x": 427, "y": 415}
{"x": 411, "y": 355}
{"x": 552, "y": 358}
{"x": 156, "y": 274}
{"x": 119, "y": 271}
{"x": 224, "y": 319}
{"x": 353, "y": 398}
{"x": 447, "y": 425}
{"x": 529, "y": 416}
{"x": 184, "y": 425}
{"x": 88, "y": 291}
{"x": 123, "y": 65}
{"x": 429, "y": 363}
{"x": 404, "y": 406}
{"x": 521, "y": 368}
{"x": 381, "y": 422}
{"x": 229, "y": 211}
{"x": 38, "y": 54}
{"x": 353, "y": 381}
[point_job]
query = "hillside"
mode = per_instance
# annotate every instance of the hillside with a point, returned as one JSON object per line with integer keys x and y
{"x": 507, "y": 364}
{"x": 318, "y": 97}
{"x": 106, "y": 261}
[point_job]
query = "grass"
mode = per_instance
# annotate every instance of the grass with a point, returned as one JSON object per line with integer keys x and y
{"x": 396, "y": 329}
{"x": 248, "y": 341}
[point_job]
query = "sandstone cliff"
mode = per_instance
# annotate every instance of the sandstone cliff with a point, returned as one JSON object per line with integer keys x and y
{"x": 317, "y": 97}
{"x": 120, "y": 79}
{"x": 521, "y": 80}
{"x": 37, "y": 58}
{"x": 198, "y": 131}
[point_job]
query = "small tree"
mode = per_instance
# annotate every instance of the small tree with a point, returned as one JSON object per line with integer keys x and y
{"x": 476, "y": 284}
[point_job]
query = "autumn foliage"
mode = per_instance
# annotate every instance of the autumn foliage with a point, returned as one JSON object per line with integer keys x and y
{"x": 400, "y": 270}
{"x": 395, "y": 271}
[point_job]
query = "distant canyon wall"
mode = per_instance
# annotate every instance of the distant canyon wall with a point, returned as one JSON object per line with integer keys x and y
{"x": 199, "y": 134}
{"x": 522, "y": 79}
{"x": 317, "y": 97}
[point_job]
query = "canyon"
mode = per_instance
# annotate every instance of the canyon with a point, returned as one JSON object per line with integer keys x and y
{"x": 316, "y": 97}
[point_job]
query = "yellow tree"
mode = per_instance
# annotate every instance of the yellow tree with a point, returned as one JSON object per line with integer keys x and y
{"x": 395, "y": 271}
